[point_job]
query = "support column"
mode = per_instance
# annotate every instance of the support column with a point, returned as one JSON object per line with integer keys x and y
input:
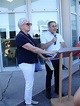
{"x": 0, "y": 92}
{"x": 66, "y": 26}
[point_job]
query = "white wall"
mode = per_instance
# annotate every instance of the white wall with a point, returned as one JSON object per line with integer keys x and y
{"x": 66, "y": 26}
{"x": 78, "y": 9}
{"x": 66, "y": 21}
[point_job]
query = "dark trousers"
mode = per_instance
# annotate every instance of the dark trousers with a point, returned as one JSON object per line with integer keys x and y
{"x": 49, "y": 76}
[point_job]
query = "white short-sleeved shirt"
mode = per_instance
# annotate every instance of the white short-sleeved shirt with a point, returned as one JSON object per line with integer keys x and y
{"x": 47, "y": 37}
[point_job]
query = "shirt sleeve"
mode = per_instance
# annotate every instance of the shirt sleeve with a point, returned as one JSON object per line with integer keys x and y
{"x": 20, "y": 41}
{"x": 61, "y": 40}
{"x": 43, "y": 38}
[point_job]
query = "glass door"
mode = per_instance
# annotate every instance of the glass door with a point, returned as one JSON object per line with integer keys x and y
{"x": 9, "y": 52}
{"x": 10, "y": 12}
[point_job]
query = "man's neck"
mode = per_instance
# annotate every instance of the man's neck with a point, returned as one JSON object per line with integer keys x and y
{"x": 51, "y": 32}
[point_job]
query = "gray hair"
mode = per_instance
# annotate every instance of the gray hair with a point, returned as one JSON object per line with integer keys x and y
{"x": 49, "y": 23}
{"x": 21, "y": 22}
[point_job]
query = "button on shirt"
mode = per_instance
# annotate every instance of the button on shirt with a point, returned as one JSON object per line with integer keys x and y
{"x": 47, "y": 37}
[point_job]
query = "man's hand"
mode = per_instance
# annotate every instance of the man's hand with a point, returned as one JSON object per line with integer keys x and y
{"x": 63, "y": 44}
{"x": 53, "y": 52}
{"x": 54, "y": 39}
{"x": 47, "y": 59}
{"x": 45, "y": 46}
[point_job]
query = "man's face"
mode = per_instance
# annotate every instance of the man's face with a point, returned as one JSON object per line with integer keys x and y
{"x": 52, "y": 28}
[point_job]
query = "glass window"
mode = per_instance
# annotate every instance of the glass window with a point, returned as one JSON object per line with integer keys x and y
{"x": 13, "y": 10}
{"x": 9, "y": 52}
{"x": 74, "y": 30}
{"x": 12, "y": 5}
{"x": 42, "y": 18}
{"x": 74, "y": 24}
{"x": 73, "y": 5}
{"x": 43, "y": 4}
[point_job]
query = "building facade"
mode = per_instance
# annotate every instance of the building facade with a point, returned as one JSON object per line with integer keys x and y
{"x": 65, "y": 12}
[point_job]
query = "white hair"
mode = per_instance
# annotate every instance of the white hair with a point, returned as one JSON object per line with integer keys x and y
{"x": 21, "y": 21}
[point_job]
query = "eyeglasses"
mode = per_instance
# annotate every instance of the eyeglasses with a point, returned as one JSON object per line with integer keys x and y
{"x": 54, "y": 25}
{"x": 28, "y": 24}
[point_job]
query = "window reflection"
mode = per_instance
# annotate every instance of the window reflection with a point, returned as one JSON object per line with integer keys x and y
{"x": 73, "y": 5}
{"x": 9, "y": 52}
{"x": 38, "y": 4}
{"x": 13, "y": 11}
{"x": 41, "y": 14}
{"x": 10, "y": 13}
{"x": 74, "y": 24}
{"x": 41, "y": 19}
{"x": 74, "y": 30}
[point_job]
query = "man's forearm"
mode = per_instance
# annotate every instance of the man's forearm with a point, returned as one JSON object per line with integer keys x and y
{"x": 63, "y": 45}
{"x": 45, "y": 46}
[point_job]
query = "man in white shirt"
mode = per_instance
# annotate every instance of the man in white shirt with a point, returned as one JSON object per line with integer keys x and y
{"x": 50, "y": 40}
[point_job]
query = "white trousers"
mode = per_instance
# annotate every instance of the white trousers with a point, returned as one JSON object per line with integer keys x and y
{"x": 28, "y": 72}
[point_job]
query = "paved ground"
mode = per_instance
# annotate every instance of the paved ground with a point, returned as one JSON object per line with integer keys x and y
{"x": 12, "y": 86}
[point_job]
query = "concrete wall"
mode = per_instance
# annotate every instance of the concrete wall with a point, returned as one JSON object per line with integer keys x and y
{"x": 66, "y": 21}
{"x": 66, "y": 25}
{"x": 78, "y": 12}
